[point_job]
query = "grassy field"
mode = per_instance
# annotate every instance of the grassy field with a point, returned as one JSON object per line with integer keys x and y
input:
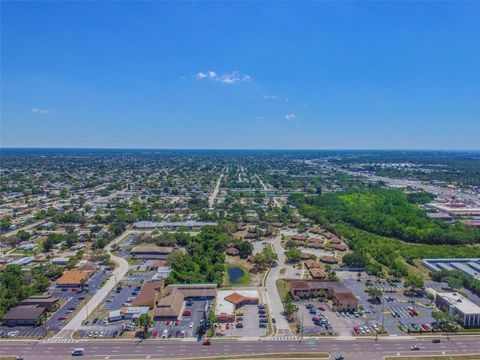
{"x": 283, "y": 288}
{"x": 435, "y": 357}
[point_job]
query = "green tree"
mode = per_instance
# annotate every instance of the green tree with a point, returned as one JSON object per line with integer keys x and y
{"x": 293, "y": 255}
{"x": 374, "y": 294}
{"x": 245, "y": 248}
{"x": 145, "y": 321}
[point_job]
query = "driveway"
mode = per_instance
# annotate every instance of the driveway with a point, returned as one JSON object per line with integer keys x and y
{"x": 92, "y": 304}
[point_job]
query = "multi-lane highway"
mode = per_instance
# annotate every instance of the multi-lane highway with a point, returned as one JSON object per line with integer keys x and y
{"x": 359, "y": 349}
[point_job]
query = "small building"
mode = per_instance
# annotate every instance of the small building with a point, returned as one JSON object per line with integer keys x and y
{"x": 115, "y": 315}
{"x": 318, "y": 273}
{"x": 228, "y": 302}
{"x": 46, "y": 302}
{"x": 59, "y": 261}
{"x": 27, "y": 315}
{"x": 151, "y": 252}
{"x": 232, "y": 251}
{"x": 134, "y": 312}
{"x": 74, "y": 278}
{"x": 329, "y": 259}
{"x": 23, "y": 261}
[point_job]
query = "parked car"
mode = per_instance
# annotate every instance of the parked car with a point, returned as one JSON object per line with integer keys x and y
{"x": 206, "y": 342}
{"x": 186, "y": 313}
{"x": 177, "y": 322}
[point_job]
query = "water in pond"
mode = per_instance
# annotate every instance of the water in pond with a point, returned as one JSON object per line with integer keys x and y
{"x": 234, "y": 273}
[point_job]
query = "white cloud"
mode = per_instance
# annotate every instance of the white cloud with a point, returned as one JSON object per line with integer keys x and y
{"x": 258, "y": 117}
{"x": 205, "y": 75}
{"x": 290, "y": 116}
{"x": 42, "y": 111}
{"x": 269, "y": 97}
{"x": 234, "y": 77}
{"x": 228, "y": 78}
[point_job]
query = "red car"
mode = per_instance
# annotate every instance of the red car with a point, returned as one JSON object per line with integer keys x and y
{"x": 227, "y": 326}
{"x": 75, "y": 290}
{"x": 356, "y": 329}
{"x": 167, "y": 322}
{"x": 425, "y": 327}
{"x": 315, "y": 318}
{"x": 177, "y": 322}
{"x": 207, "y": 342}
{"x": 63, "y": 317}
{"x": 411, "y": 314}
{"x": 321, "y": 308}
{"x": 155, "y": 334}
{"x": 186, "y": 313}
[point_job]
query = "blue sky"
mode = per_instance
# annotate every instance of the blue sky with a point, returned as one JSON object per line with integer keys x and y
{"x": 390, "y": 75}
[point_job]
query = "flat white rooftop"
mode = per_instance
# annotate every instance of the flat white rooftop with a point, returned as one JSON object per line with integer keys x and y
{"x": 225, "y": 307}
{"x": 460, "y": 302}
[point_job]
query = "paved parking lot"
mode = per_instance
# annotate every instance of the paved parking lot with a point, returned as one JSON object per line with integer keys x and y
{"x": 187, "y": 324}
{"x": 71, "y": 300}
{"x": 305, "y": 318}
{"x": 393, "y": 302}
{"x": 251, "y": 324}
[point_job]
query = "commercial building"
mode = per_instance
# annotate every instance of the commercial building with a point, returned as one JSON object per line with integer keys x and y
{"x": 28, "y": 315}
{"x": 151, "y": 252}
{"x": 149, "y": 293}
{"x": 46, "y": 302}
{"x": 228, "y": 301}
{"x": 194, "y": 225}
{"x": 469, "y": 266}
{"x": 74, "y": 278}
{"x": 173, "y": 297}
{"x": 457, "y": 304}
{"x": 342, "y": 298}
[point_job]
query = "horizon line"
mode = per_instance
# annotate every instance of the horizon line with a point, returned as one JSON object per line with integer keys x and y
{"x": 234, "y": 149}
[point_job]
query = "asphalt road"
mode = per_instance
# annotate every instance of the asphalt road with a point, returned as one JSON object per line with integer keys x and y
{"x": 117, "y": 275}
{"x": 366, "y": 349}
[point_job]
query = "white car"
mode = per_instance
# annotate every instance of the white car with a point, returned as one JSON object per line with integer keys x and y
{"x": 191, "y": 325}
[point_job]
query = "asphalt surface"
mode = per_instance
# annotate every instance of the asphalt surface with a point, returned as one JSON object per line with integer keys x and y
{"x": 119, "y": 272}
{"x": 365, "y": 349}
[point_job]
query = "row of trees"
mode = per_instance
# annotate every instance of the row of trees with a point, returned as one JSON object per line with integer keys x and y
{"x": 457, "y": 279}
{"x": 390, "y": 213}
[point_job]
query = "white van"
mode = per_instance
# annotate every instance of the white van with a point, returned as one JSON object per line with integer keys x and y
{"x": 78, "y": 352}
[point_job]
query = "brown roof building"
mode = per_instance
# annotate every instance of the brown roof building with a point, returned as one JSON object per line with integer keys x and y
{"x": 343, "y": 299}
{"x": 171, "y": 303}
{"x": 318, "y": 273}
{"x": 46, "y": 302}
{"x": 149, "y": 294}
{"x": 311, "y": 264}
{"x": 24, "y": 315}
{"x": 340, "y": 247}
{"x": 232, "y": 251}
{"x": 73, "y": 278}
{"x": 329, "y": 259}
{"x": 239, "y": 300}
